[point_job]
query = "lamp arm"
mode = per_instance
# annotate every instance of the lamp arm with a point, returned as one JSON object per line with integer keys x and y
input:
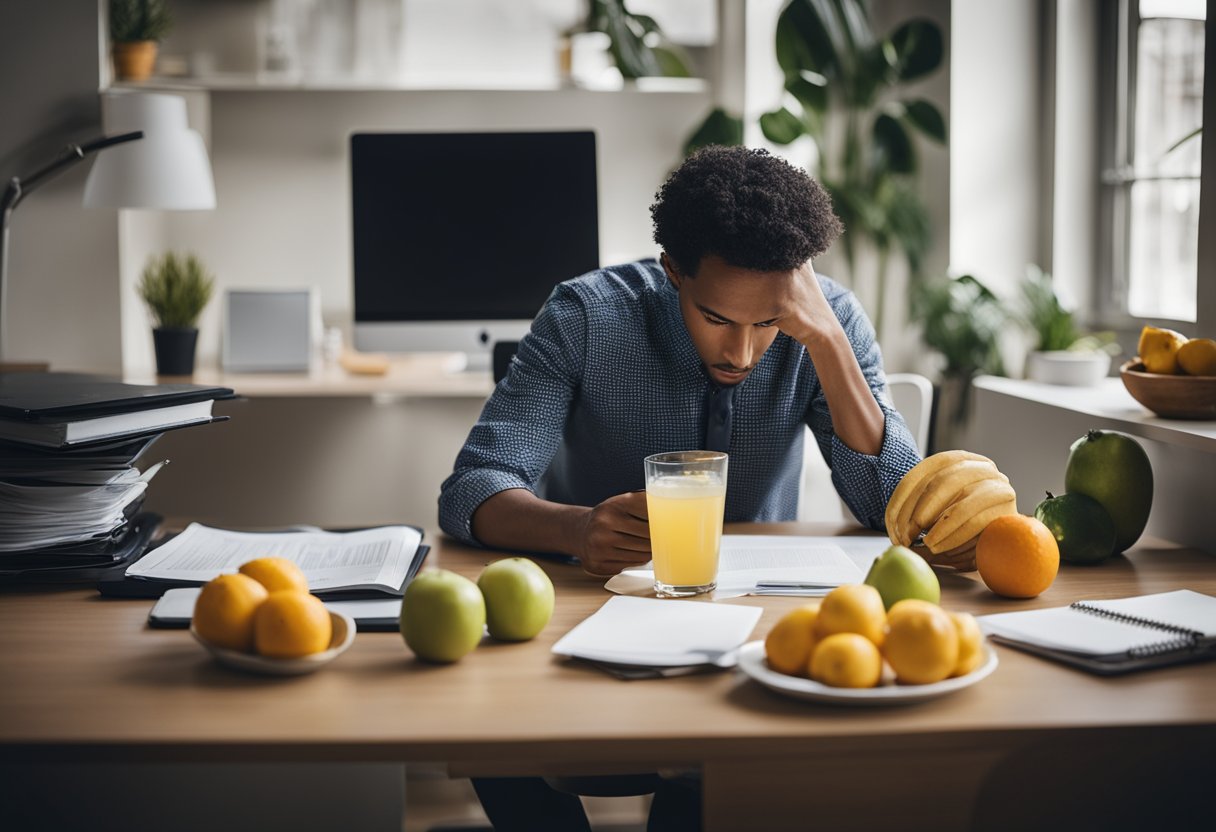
{"x": 73, "y": 153}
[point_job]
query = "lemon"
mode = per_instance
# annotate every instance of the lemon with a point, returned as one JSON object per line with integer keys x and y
{"x": 275, "y": 574}
{"x": 970, "y": 643}
{"x": 846, "y": 660}
{"x": 1197, "y": 357}
{"x": 788, "y": 645}
{"x": 1158, "y": 349}
{"x": 852, "y": 608}
{"x": 290, "y": 624}
{"x": 922, "y": 642}
{"x": 224, "y": 611}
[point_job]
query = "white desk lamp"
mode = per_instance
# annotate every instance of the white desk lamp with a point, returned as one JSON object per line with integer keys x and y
{"x": 156, "y": 161}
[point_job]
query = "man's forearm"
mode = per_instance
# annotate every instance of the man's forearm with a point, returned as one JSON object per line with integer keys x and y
{"x": 845, "y": 387}
{"x": 518, "y": 519}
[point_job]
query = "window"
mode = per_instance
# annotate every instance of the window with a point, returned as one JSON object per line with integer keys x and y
{"x": 1151, "y": 182}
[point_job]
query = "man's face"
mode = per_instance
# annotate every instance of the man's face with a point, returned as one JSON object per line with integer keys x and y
{"x": 731, "y": 314}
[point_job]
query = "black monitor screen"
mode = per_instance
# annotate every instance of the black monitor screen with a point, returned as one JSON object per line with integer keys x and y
{"x": 469, "y": 226}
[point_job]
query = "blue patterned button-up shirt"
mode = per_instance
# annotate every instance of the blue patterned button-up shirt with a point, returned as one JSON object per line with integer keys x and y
{"x": 609, "y": 375}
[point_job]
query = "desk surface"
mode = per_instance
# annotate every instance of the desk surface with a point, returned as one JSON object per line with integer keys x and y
{"x": 85, "y": 678}
{"x": 429, "y": 375}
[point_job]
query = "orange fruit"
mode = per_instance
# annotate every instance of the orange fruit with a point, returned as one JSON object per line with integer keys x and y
{"x": 290, "y": 624}
{"x": 852, "y": 608}
{"x": 275, "y": 574}
{"x": 922, "y": 642}
{"x": 788, "y": 645}
{"x": 846, "y": 660}
{"x": 224, "y": 611}
{"x": 1017, "y": 556}
{"x": 970, "y": 643}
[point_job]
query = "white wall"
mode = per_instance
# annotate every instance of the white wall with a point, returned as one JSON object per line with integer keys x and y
{"x": 63, "y": 300}
{"x": 995, "y": 151}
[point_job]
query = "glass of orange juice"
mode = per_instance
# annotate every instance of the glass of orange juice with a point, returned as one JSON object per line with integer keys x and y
{"x": 685, "y": 499}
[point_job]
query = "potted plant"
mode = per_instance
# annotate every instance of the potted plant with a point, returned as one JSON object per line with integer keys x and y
{"x": 1062, "y": 354}
{"x": 175, "y": 288}
{"x": 135, "y": 28}
{"x": 845, "y": 86}
{"x": 962, "y": 320}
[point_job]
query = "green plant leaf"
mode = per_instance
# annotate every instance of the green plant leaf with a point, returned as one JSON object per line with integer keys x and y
{"x": 810, "y": 95}
{"x": 175, "y": 289}
{"x": 961, "y": 319}
{"x": 918, "y": 48}
{"x": 781, "y": 126}
{"x": 804, "y": 40}
{"x": 926, "y": 118}
{"x": 671, "y": 61}
{"x": 892, "y": 147}
{"x": 632, "y": 56}
{"x": 719, "y": 127}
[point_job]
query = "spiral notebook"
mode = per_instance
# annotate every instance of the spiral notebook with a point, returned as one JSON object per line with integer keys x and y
{"x": 1115, "y": 636}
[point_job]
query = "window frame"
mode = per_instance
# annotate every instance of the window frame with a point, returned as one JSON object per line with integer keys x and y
{"x": 1119, "y": 24}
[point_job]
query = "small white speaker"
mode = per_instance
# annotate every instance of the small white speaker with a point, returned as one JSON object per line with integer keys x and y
{"x": 267, "y": 330}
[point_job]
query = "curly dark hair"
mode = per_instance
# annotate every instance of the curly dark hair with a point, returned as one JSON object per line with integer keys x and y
{"x": 750, "y": 208}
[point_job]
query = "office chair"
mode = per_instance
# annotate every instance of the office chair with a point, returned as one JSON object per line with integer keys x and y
{"x": 912, "y": 396}
{"x": 504, "y": 351}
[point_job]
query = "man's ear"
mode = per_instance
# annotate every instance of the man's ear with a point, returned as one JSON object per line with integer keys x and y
{"x": 670, "y": 267}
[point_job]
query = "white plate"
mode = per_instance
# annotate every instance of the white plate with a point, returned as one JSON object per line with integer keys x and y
{"x": 753, "y": 663}
{"x": 344, "y": 634}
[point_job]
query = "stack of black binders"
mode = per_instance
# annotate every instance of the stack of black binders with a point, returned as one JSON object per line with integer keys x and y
{"x": 71, "y": 487}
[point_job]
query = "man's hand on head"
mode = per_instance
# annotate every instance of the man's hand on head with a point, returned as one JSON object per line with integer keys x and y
{"x": 806, "y": 314}
{"x": 616, "y": 535}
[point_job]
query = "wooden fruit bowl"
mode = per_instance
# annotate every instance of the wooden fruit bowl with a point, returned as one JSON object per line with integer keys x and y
{"x": 1171, "y": 397}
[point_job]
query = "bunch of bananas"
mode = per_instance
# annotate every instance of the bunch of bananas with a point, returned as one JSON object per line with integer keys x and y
{"x": 949, "y": 498}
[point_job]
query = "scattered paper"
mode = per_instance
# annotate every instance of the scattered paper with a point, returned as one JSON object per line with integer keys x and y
{"x": 377, "y": 557}
{"x": 772, "y": 565}
{"x": 660, "y": 633}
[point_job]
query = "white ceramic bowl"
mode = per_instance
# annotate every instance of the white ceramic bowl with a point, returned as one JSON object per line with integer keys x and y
{"x": 1074, "y": 368}
{"x": 344, "y": 634}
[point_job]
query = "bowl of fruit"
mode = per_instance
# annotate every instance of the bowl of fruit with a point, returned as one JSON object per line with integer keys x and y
{"x": 1173, "y": 376}
{"x": 262, "y": 619}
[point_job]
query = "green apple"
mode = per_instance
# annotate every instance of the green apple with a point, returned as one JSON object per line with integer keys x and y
{"x": 443, "y": 616}
{"x": 900, "y": 573}
{"x": 519, "y": 598}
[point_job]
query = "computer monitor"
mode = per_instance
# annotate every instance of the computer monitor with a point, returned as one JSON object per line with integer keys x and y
{"x": 458, "y": 238}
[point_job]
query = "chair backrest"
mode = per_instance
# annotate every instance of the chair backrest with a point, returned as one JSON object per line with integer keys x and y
{"x": 912, "y": 396}
{"x": 504, "y": 351}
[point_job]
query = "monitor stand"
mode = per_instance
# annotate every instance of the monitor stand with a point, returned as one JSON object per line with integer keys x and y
{"x": 467, "y": 362}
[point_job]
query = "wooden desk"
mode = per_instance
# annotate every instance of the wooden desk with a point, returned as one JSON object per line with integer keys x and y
{"x": 86, "y": 680}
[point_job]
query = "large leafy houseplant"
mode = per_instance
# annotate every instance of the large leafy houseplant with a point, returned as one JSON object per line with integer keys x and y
{"x": 636, "y": 43}
{"x": 844, "y": 87}
{"x": 962, "y": 320}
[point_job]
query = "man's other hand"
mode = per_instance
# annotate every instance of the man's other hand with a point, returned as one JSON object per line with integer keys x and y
{"x": 616, "y": 535}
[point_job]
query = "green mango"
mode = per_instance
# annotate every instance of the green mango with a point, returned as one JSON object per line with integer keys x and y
{"x": 1113, "y": 469}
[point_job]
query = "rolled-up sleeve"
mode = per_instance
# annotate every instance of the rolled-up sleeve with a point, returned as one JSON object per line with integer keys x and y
{"x": 865, "y": 482}
{"x": 520, "y": 427}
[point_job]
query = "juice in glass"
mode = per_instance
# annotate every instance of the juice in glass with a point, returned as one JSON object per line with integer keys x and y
{"x": 685, "y": 499}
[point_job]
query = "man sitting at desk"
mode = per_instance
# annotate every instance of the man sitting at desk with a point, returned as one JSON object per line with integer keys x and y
{"x": 730, "y": 342}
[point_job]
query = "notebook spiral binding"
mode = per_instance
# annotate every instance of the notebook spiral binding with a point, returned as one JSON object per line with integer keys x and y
{"x": 1188, "y": 639}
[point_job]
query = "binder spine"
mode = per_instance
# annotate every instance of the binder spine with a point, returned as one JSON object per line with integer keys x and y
{"x": 1187, "y": 639}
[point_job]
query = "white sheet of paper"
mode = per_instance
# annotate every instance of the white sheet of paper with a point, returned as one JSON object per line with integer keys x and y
{"x": 660, "y": 633}
{"x": 745, "y": 560}
{"x": 377, "y": 557}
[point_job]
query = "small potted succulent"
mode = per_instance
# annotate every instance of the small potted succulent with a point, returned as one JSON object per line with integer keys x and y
{"x": 175, "y": 288}
{"x": 136, "y": 26}
{"x": 1062, "y": 354}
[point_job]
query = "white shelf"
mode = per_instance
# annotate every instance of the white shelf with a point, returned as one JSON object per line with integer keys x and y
{"x": 243, "y": 82}
{"x": 1111, "y": 406}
